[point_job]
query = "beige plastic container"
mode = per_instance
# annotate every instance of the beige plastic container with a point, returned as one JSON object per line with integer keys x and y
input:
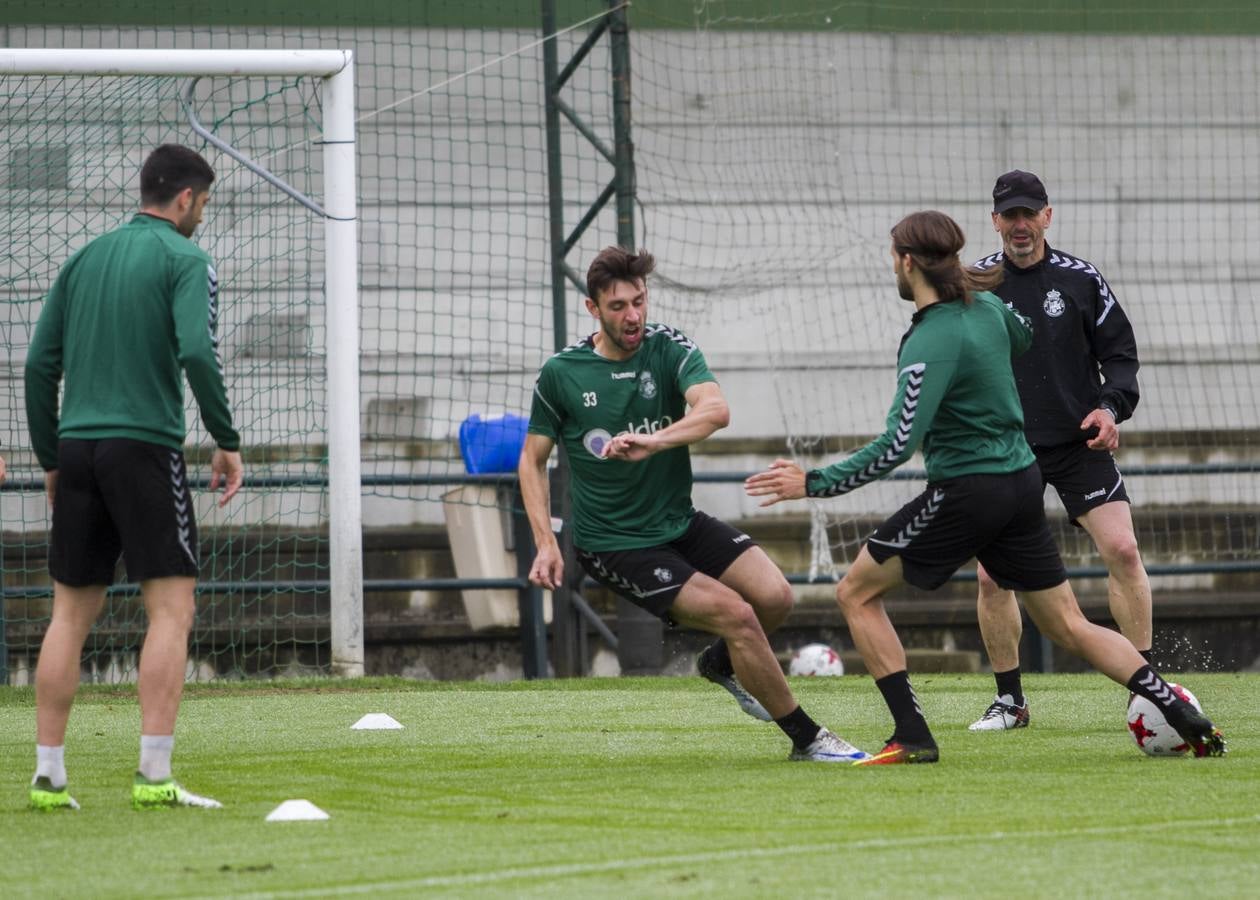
{"x": 477, "y": 523}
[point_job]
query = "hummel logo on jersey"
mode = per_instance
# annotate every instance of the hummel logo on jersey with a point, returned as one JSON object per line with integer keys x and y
{"x": 740, "y": 539}
{"x": 664, "y": 576}
{"x": 1054, "y": 304}
{"x": 618, "y": 376}
{"x": 1097, "y": 493}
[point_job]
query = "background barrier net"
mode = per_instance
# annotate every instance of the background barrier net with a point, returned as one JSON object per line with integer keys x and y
{"x": 775, "y": 145}
{"x": 776, "y": 150}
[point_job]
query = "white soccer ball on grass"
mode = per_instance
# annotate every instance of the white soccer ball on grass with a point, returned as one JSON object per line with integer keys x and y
{"x": 816, "y": 659}
{"x": 1151, "y": 731}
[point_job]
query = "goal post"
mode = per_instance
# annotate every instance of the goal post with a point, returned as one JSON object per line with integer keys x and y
{"x": 336, "y": 70}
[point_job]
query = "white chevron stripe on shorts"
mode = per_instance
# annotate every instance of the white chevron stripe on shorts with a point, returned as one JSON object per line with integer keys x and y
{"x": 183, "y": 506}
{"x": 916, "y": 526}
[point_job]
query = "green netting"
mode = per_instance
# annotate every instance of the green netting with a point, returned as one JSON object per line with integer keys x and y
{"x": 775, "y": 143}
{"x": 72, "y": 150}
{"x": 774, "y": 156}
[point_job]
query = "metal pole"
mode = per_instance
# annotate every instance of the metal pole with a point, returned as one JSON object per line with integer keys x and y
{"x": 4, "y": 648}
{"x": 641, "y": 635}
{"x": 533, "y": 622}
{"x": 564, "y": 617}
{"x": 345, "y": 512}
{"x": 623, "y": 147}
{"x": 555, "y": 178}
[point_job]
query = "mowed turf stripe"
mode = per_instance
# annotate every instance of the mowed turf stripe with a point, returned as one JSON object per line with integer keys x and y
{"x": 470, "y": 879}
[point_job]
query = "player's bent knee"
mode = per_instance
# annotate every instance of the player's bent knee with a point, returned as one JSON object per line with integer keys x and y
{"x": 989, "y": 589}
{"x": 851, "y": 596}
{"x": 1123, "y": 554}
{"x": 1067, "y": 630}
{"x": 782, "y": 599}
{"x": 737, "y": 621}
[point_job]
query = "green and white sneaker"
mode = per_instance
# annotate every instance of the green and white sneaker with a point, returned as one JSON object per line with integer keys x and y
{"x": 146, "y": 794}
{"x": 45, "y": 797}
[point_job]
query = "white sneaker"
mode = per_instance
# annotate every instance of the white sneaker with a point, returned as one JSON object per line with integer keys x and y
{"x": 747, "y": 702}
{"x": 828, "y": 747}
{"x": 1002, "y": 715}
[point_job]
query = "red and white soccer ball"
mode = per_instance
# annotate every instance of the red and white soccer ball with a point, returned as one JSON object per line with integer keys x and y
{"x": 816, "y": 659}
{"x": 1151, "y": 732}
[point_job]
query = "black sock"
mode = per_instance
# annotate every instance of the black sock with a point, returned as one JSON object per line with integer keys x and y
{"x": 1008, "y": 683}
{"x": 1147, "y": 682}
{"x": 799, "y": 727}
{"x": 909, "y": 726}
{"x": 1146, "y": 655}
{"x": 1181, "y": 715}
{"x": 720, "y": 656}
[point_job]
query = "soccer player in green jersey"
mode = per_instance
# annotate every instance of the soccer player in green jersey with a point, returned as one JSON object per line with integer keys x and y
{"x": 128, "y": 316}
{"x": 956, "y": 397}
{"x": 626, "y": 402}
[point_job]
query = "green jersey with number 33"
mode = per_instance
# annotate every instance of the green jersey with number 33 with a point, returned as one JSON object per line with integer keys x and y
{"x": 582, "y": 400}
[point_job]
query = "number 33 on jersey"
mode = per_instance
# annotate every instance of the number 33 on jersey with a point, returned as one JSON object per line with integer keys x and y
{"x": 582, "y": 400}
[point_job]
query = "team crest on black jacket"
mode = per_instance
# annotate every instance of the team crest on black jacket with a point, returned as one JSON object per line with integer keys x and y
{"x": 1053, "y": 304}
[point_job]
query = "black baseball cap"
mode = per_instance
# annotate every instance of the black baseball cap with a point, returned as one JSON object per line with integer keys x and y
{"x": 1019, "y": 189}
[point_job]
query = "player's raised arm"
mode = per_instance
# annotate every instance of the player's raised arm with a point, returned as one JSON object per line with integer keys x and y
{"x": 707, "y": 413}
{"x": 548, "y": 566}
{"x": 783, "y": 480}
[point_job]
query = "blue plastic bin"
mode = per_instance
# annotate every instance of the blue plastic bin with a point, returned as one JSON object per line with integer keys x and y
{"x": 492, "y": 445}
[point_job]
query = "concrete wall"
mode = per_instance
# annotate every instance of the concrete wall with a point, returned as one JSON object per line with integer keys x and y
{"x": 770, "y": 167}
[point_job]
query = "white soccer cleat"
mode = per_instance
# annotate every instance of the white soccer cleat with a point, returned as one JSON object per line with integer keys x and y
{"x": 747, "y": 702}
{"x": 829, "y": 747}
{"x": 1002, "y": 715}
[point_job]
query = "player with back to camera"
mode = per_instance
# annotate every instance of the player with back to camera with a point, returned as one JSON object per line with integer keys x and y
{"x": 955, "y": 396}
{"x": 127, "y": 317}
{"x": 626, "y": 403}
{"x": 1077, "y": 383}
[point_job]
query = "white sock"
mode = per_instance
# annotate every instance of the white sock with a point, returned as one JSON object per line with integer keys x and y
{"x": 50, "y": 763}
{"x": 155, "y": 756}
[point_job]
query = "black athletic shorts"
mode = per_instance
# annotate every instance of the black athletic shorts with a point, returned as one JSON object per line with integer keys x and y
{"x": 650, "y": 577}
{"x": 997, "y": 519}
{"x": 120, "y": 496}
{"x": 1084, "y": 478}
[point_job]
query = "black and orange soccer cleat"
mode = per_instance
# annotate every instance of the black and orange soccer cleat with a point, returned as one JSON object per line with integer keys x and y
{"x": 898, "y": 753}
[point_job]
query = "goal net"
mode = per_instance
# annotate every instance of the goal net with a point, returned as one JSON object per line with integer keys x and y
{"x": 71, "y": 152}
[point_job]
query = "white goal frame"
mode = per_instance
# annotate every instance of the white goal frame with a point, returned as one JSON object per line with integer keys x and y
{"x": 336, "y": 68}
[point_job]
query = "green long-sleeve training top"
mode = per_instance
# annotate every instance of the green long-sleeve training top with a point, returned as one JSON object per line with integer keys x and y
{"x": 126, "y": 316}
{"x": 955, "y": 396}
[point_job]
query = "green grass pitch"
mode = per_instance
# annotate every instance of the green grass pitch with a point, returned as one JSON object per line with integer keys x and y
{"x": 637, "y": 788}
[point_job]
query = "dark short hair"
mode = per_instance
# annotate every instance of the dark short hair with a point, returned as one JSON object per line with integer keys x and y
{"x": 168, "y": 170}
{"x": 616, "y": 264}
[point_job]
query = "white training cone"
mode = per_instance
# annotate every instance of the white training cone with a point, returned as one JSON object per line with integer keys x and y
{"x": 374, "y": 721}
{"x": 297, "y": 811}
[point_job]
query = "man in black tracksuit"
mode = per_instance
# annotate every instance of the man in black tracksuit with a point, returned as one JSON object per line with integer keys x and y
{"x": 1077, "y": 383}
